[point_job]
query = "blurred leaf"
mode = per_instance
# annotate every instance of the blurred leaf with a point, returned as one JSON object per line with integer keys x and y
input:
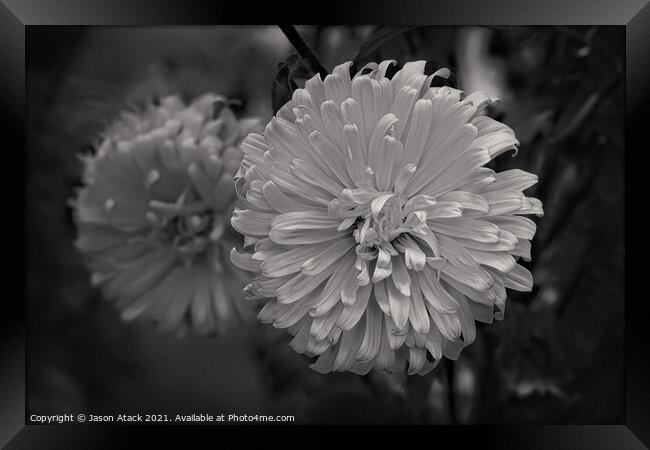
{"x": 574, "y": 116}
{"x": 528, "y": 120}
{"x": 292, "y": 74}
{"x": 378, "y": 38}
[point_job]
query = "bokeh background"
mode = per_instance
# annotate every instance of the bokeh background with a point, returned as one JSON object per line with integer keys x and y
{"x": 557, "y": 357}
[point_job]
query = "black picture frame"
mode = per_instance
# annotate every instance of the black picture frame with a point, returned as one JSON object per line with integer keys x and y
{"x": 16, "y": 16}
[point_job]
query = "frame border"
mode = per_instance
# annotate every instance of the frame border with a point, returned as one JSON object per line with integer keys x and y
{"x": 16, "y": 15}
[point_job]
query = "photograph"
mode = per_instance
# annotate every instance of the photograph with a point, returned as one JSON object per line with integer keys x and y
{"x": 325, "y": 224}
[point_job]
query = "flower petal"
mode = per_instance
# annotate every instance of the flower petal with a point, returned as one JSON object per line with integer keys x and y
{"x": 329, "y": 255}
{"x": 372, "y": 337}
{"x": 418, "y": 315}
{"x": 434, "y": 294}
{"x": 399, "y": 305}
{"x": 519, "y": 279}
{"x": 418, "y": 131}
{"x": 513, "y": 179}
{"x": 352, "y": 313}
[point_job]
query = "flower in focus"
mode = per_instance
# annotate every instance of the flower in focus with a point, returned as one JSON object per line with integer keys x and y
{"x": 152, "y": 216}
{"x": 378, "y": 235}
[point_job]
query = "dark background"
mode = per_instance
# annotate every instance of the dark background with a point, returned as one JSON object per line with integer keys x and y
{"x": 557, "y": 357}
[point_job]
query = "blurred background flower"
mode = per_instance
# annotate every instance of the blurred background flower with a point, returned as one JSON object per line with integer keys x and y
{"x": 558, "y": 357}
{"x": 152, "y": 215}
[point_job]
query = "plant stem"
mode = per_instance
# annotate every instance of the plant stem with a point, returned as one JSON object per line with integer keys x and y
{"x": 303, "y": 49}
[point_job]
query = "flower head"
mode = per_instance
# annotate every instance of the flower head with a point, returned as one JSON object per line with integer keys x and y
{"x": 152, "y": 216}
{"x": 378, "y": 234}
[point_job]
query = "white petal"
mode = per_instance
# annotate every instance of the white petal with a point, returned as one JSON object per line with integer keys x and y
{"x": 409, "y": 69}
{"x": 244, "y": 261}
{"x": 352, "y": 313}
{"x": 390, "y": 148}
{"x": 402, "y": 106}
{"x": 418, "y": 131}
{"x": 333, "y": 121}
{"x": 372, "y": 337}
{"x": 301, "y": 285}
{"x": 283, "y": 176}
{"x": 289, "y": 315}
{"x": 385, "y": 356}
{"x": 507, "y": 241}
{"x": 313, "y": 175}
{"x": 404, "y": 177}
{"x": 383, "y": 67}
{"x": 348, "y": 348}
{"x": 252, "y": 223}
{"x": 382, "y": 273}
{"x": 322, "y": 326}
{"x": 382, "y": 296}
{"x": 400, "y": 276}
{"x": 448, "y": 324}
{"x": 337, "y": 88}
{"x": 357, "y": 150}
{"x": 396, "y": 336}
{"x": 468, "y": 228}
{"x": 488, "y": 298}
{"x": 399, "y": 305}
{"x": 504, "y": 201}
{"x": 467, "y": 200}
{"x": 478, "y": 180}
{"x": 433, "y": 342}
{"x": 316, "y": 89}
{"x": 501, "y": 261}
{"x": 331, "y": 293}
{"x": 496, "y": 142}
{"x": 456, "y": 254}
{"x": 363, "y": 92}
{"x": 452, "y": 349}
{"x": 434, "y": 294}
{"x": 522, "y": 249}
{"x": 380, "y": 130}
{"x": 279, "y": 200}
{"x": 465, "y": 316}
{"x": 521, "y": 227}
{"x": 519, "y": 279}
{"x": 455, "y": 174}
{"x": 353, "y": 115}
{"x": 417, "y": 358}
{"x": 306, "y": 236}
{"x": 531, "y": 206}
{"x": 480, "y": 279}
{"x": 444, "y": 210}
{"x": 303, "y": 220}
{"x": 513, "y": 179}
{"x": 414, "y": 257}
{"x": 299, "y": 342}
{"x": 418, "y": 315}
{"x": 329, "y": 255}
{"x": 324, "y": 363}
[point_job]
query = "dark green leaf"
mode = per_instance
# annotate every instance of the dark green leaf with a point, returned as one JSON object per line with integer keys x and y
{"x": 292, "y": 74}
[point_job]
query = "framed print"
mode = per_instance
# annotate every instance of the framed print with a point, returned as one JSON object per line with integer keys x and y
{"x": 409, "y": 214}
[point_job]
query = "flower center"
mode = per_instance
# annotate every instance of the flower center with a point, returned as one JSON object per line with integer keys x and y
{"x": 382, "y": 224}
{"x": 187, "y": 224}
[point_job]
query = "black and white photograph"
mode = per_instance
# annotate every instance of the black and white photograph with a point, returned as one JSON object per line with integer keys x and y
{"x": 326, "y": 225}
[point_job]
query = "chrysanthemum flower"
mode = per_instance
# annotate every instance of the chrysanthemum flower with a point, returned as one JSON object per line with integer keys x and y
{"x": 378, "y": 235}
{"x": 153, "y": 214}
